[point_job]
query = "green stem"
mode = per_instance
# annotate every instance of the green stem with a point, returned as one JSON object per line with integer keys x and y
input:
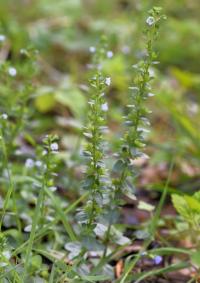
{"x": 11, "y": 185}
{"x": 155, "y": 219}
{"x": 33, "y": 229}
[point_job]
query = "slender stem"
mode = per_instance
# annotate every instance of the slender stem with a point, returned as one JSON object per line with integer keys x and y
{"x": 11, "y": 185}
{"x": 152, "y": 228}
{"x": 155, "y": 219}
{"x": 33, "y": 229}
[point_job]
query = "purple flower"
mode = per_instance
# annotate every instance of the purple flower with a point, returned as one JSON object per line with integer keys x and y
{"x": 29, "y": 163}
{"x": 158, "y": 259}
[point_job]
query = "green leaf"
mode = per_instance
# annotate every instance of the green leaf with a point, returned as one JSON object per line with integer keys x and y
{"x": 100, "y": 230}
{"x": 61, "y": 214}
{"x": 70, "y": 96}
{"x": 193, "y": 204}
{"x": 118, "y": 237}
{"x": 197, "y": 196}
{"x": 91, "y": 243}
{"x": 36, "y": 262}
{"x": 185, "y": 78}
{"x": 74, "y": 248}
{"x": 195, "y": 258}
{"x": 119, "y": 166}
{"x": 180, "y": 205}
{"x": 45, "y": 101}
{"x": 130, "y": 195}
{"x": 145, "y": 206}
{"x": 142, "y": 234}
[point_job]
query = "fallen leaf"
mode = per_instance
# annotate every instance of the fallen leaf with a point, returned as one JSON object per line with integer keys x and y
{"x": 119, "y": 268}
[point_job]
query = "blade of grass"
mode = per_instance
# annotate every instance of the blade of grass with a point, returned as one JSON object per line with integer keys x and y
{"x": 10, "y": 191}
{"x": 152, "y": 228}
{"x": 170, "y": 250}
{"x": 52, "y": 274}
{"x": 156, "y": 216}
{"x": 45, "y": 230}
{"x": 33, "y": 230}
{"x": 173, "y": 267}
{"x": 62, "y": 215}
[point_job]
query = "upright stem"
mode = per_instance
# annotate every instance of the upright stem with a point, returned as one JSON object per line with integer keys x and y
{"x": 33, "y": 229}
{"x": 94, "y": 149}
{"x": 11, "y": 185}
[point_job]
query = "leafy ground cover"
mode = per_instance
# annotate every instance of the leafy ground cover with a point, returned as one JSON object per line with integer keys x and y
{"x": 99, "y": 177}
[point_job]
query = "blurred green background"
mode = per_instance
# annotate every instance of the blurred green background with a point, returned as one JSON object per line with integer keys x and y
{"x": 62, "y": 31}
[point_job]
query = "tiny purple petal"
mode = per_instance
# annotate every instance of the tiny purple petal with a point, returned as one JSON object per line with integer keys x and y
{"x": 158, "y": 259}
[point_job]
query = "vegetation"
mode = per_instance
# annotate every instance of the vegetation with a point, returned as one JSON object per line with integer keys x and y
{"x": 99, "y": 178}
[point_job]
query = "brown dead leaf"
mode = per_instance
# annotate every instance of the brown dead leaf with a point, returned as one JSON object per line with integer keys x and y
{"x": 119, "y": 268}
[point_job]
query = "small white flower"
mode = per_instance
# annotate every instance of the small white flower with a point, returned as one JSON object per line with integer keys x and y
{"x": 54, "y": 146}
{"x": 5, "y": 173}
{"x": 23, "y": 51}
{"x": 91, "y": 102}
{"x": 4, "y": 116}
{"x": 44, "y": 152}
{"x": 53, "y": 188}
{"x": 143, "y": 253}
{"x": 150, "y": 21}
{"x": 12, "y": 71}
{"x": 3, "y": 264}
{"x": 7, "y": 254}
{"x": 150, "y": 94}
{"x": 104, "y": 107}
{"x": 151, "y": 72}
{"x": 18, "y": 152}
{"x": 29, "y": 163}
{"x": 108, "y": 81}
{"x": 28, "y": 228}
{"x": 38, "y": 163}
{"x": 49, "y": 218}
{"x": 193, "y": 108}
{"x": 88, "y": 135}
{"x": 140, "y": 129}
{"x": 2, "y": 37}
{"x": 92, "y": 49}
{"x": 109, "y": 54}
{"x": 25, "y": 217}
